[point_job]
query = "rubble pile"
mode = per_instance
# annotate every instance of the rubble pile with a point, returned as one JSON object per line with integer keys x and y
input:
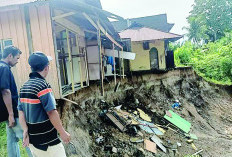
{"x": 138, "y": 131}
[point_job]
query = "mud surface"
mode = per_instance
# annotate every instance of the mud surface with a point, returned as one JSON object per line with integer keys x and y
{"x": 207, "y": 107}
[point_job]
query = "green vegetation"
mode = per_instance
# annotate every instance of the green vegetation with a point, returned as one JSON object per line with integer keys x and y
{"x": 209, "y": 20}
{"x": 3, "y": 151}
{"x": 209, "y": 49}
{"x": 212, "y": 61}
{"x": 3, "y": 148}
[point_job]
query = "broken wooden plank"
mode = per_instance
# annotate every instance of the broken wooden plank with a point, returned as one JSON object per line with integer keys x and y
{"x": 116, "y": 121}
{"x": 178, "y": 121}
{"x": 158, "y": 142}
{"x": 149, "y": 127}
{"x": 150, "y": 146}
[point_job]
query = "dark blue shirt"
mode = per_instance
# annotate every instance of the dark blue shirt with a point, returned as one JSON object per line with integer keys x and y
{"x": 7, "y": 81}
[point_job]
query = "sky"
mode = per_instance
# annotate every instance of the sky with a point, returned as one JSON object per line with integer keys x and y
{"x": 177, "y": 10}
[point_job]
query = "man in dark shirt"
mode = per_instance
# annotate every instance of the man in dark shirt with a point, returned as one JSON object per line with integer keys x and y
{"x": 9, "y": 100}
{"x": 37, "y": 112}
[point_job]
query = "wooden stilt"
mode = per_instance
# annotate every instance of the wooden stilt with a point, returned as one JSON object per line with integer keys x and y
{"x": 100, "y": 60}
{"x": 79, "y": 62}
{"x": 123, "y": 69}
{"x": 115, "y": 79}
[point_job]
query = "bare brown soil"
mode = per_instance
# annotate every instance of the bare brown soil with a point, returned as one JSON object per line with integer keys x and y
{"x": 208, "y": 107}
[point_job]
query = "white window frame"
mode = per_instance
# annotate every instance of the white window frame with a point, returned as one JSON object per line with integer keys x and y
{"x": 2, "y": 45}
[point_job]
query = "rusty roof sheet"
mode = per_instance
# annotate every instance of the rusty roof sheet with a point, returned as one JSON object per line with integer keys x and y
{"x": 147, "y": 34}
{"x": 4, "y": 3}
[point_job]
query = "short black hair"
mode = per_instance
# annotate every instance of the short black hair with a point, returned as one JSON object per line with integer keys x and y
{"x": 10, "y": 50}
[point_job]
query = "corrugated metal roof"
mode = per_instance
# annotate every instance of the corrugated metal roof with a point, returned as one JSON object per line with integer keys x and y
{"x": 4, "y": 3}
{"x": 147, "y": 34}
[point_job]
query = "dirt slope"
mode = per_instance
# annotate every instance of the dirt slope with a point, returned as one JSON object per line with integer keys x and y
{"x": 208, "y": 107}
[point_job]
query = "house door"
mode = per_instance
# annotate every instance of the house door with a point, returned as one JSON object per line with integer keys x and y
{"x": 154, "y": 60}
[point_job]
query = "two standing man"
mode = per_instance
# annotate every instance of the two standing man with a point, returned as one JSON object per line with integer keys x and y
{"x": 37, "y": 108}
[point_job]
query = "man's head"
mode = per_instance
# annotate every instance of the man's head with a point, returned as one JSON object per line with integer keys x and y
{"x": 11, "y": 55}
{"x": 39, "y": 62}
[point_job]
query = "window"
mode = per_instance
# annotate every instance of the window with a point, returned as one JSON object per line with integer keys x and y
{"x": 71, "y": 58}
{"x": 4, "y": 43}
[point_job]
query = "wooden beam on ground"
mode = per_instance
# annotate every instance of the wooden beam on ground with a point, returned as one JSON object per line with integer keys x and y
{"x": 63, "y": 15}
{"x": 69, "y": 101}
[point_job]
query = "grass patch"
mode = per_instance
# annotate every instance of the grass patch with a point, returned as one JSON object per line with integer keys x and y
{"x": 3, "y": 143}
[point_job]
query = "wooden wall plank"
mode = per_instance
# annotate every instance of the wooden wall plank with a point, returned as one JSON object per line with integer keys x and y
{"x": 5, "y": 25}
{"x": 1, "y": 30}
{"x": 26, "y": 45}
{"x": 46, "y": 32}
{"x": 43, "y": 29}
{"x": 35, "y": 30}
{"x": 23, "y": 63}
{"x": 16, "y": 70}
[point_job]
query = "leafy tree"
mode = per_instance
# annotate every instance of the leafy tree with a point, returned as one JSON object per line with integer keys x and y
{"x": 209, "y": 20}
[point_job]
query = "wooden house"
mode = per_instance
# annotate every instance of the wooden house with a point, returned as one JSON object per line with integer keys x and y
{"x": 76, "y": 33}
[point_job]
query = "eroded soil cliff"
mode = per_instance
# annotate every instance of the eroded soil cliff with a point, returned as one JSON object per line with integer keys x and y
{"x": 206, "y": 106}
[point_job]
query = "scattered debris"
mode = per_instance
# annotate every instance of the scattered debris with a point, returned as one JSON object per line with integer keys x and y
{"x": 193, "y": 146}
{"x": 193, "y": 136}
{"x": 158, "y": 142}
{"x": 143, "y": 115}
{"x": 176, "y": 104}
{"x": 168, "y": 114}
{"x": 140, "y": 133}
{"x": 149, "y": 127}
{"x": 118, "y": 107}
{"x": 161, "y": 129}
{"x": 136, "y": 101}
{"x": 174, "y": 147}
{"x": 116, "y": 87}
{"x": 198, "y": 152}
{"x": 178, "y": 121}
{"x": 189, "y": 141}
{"x": 114, "y": 150}
{"x": 131, "y": 121}
{"x": 117, "y": 121}
{"x": 150, "y": 146}
{"x": 178, "y": 144}
{"x": 136, "y": 140}
{"x": 100, "y": 140}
